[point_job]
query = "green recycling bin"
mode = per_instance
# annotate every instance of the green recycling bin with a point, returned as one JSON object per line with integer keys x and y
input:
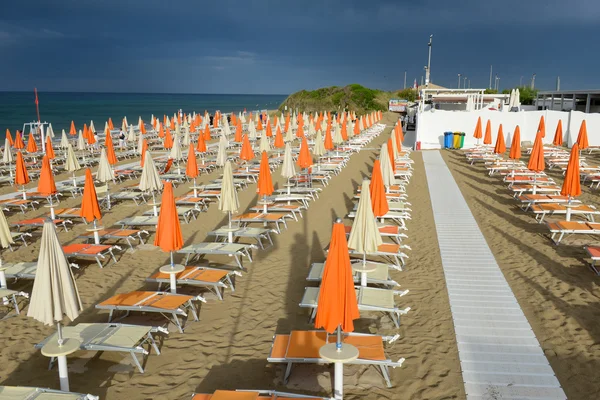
{"x": 456, "y": 144}
{"x": 462, "y": 140}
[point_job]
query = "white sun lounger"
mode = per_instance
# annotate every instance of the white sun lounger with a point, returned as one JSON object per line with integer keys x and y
{"x": 11, "y": 296}
{"x": 185, "y": 213}
{"x": 235, "y": 250}
{"x": 302, "y": 347}
{"x": 381, "y": 275}
{"x": 258, "y": 234}
{"x": 369, "y": 299}
{"x": 138, "y": 221}
{"x": 111, "y": 337}
{"x": 258, "y": 395}
{"x": 389, "y": 252}
{"x": 34, "y": 393}
{"x": 137, "y": 197}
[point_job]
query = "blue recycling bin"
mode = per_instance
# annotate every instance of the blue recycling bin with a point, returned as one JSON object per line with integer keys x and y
{"x": 448, "y": 140}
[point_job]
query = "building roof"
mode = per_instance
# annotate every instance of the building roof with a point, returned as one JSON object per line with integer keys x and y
{"x": 569, "y": 92}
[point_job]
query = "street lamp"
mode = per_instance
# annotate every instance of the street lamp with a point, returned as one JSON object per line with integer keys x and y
{"x": 459, "y": 81}
{"x": 465, "y": 82}
{"x": 428, "y": 71}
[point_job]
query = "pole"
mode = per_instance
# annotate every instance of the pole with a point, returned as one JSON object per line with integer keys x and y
{"x": 533, "y": 82}
{"x": 490, "y": 76}
{"x": 404, "y": 79}
{"x": 172, "y": 277}
{"x": 458, "y": 81}
{"x": 465, "y": 82}
{"x": 428, "y": 74}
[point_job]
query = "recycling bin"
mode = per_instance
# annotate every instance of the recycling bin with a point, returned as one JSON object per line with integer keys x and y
{"x": 456, "y": 140}
{"x": 462, "y": 140}
{"x": 448, "y": 140}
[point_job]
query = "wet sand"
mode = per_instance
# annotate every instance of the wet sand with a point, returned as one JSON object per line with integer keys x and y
{"x": 228, "y": 348}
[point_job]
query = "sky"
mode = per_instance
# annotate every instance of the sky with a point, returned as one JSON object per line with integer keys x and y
{"x": 281, "y": 46}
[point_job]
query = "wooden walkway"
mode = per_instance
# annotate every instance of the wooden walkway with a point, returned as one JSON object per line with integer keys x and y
{"x": 499, "y": 354}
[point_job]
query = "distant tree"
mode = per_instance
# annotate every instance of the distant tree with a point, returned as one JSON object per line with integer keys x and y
{"x": 526, "y": 94}
{"x": 408, "y": 94}
{"x": 491, "y": 91}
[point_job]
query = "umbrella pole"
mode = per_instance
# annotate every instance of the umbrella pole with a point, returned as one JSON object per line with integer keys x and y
{"x": 230, "y": 232}
{"x": 63, "y": 373}
{"x": 195, "y": 188}
{"x": 74, "y": 180}
{"x": 338, "y": 378}
{"x": 172, "y": 277}
{"x": 568, "y": 217}
{"x": 3, "y": 283}
{"x": 107, "y": 197}
{"x": 363, "y": 275}
{"x": 24, "y": 193}
{"x": 51, "y": 207}
{"x": 264, "y": 204}
{"x": 96, "y": 235}
{"x": 154, "y": 205}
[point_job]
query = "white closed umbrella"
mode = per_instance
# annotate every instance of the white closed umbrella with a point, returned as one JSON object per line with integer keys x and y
{"x": 186, "y": 135}
{"x": 54, "y": 296}
{"x": 319, "y": 146}
{"x": 176, "y": 153}
{"x": 64, "y": 140}
{"x": 386, "y": 167}
{"x": 264, "y": 142}
{"x": 140, "y": 144}
{"x": 50, "y": 131}
{"x": 71, "y": 163}
{"x": 150, "y": 180}
{"x": 105, "y": 173}
{"x": 222, "y": 152}
{"x": 80, "y": 142}
{"x": 364, "y": 236}
{"x": 251, "y": 130}
{"x": 289, "y": 135}
{"x": 337, "y": 135}
{"x": 288, "y": 169}
{"x": 228, "y": 202}
{"x": 131, "y": 135}
{"x": 7, "y": 157}
{"x": 5, "y": 241}
{"x": 394, "y": 145}
{"x": 92, "y": 127}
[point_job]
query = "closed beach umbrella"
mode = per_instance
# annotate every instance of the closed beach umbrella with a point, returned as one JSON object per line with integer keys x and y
{"x": 71, "y": 163}
{"x": 191, "y": 167}
{"x": 386, "y": 167}
{"x": 304, "y": 158}
{"x": 337, "y": 137}
{"x": 542, "y": 127}
{"x": 344, "y": 131}
{"x": 515, "y": 146}
{"x": 287, "y": 169}
{"x": 536, "y": 159}
{"x": 110, "y": 150}
{"x": 571, "y": 186}
{"x": 18, "y": 143}
{"x": 246, "y": 152}
{"x": 364, "y": 236}
{"x": 228, "y": 202}
{"x": 186, "y": 137}
{"x": 176, "y": 153}
{"x": 318, "y": 147}
{"x": 222, "y": 152}
{"x": 92, "y": 127}
{"x": 582, "y": 138}
{"x": 21, "y": 175}
{"x": 201, "y": 144}
{"x": 558, "y": 134}
{"x": 487, "y": 139}
{"x": 140, "y": 145}
{"x": 394, "y": 145}
{"x": 264, "y": 142}
{"x": 289, "y": 135}
{"x": 64, "y": 140}
{"x": 150, "y": 179}
{"x": 50, "y": 131}
{"x": 377, "y": 189}
{"x": 500, "y": 147}
{"x": 46, "y": 185}
{"x": 131, "y": 134}
{"x": 54, "y": 294}
{"x": 73, "y": 131}
{"x": 390, "y": 150}
{"x": 328, "y": 144}
{"x": 207, "y": 132}
{"x": 90, "y": 208}
{"x": 5, "y": 241}
{"x": 265, "y": 181}
{"x": 168, "y": 231}
{"x": 31, "y": 145}
{"x": 143, "y": 152}
{"x": 9, "y": 138}
{"x": 80, "y": 142}
{"x": 238, "y": 133}
{"x": 279, "y": 143}
{"x": 7, "y": 157}
{"x": 105, "y": 172}
{"x": 478, "y": 134}
{"x": 168, "y": 143}
{"x": 269, "y": 129}
{"x": 49, "y": 148}
{"x": 337, "y": 305}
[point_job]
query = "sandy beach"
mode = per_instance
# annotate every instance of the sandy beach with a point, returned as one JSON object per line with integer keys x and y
{"x": 556, "y": 289}
{"x": 228, "y": 348}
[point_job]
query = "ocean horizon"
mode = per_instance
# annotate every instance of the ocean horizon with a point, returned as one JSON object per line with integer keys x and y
{"x": 60, "y": 108}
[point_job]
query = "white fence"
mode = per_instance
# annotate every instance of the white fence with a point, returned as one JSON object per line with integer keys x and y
{"x": 432, "y": 125}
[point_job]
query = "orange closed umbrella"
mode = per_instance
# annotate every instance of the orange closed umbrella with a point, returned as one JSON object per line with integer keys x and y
{"x": 378, "y": 197}
{"x": 265, "y": 182}
{"x": 19, "y": 141}
{"x": 515, "y": 146}
{"x": 344, "y": 132}
{"x": 259, "y": 126}
{"x": 304, "y": 158}
{"x": 328, "y": 142}
{"x": 390, "y": 149}
{"x": 31, "y": 145}
{"x": 478, "y": 134}
{"x": 269, "y": 129}
{"x": 337, "y": 306}
{"x": 90, "y": 208}
{"x": 91, "y": 139}
{"x": 110, "y": 150}
{"x": 238, "y": 133}
{"x": 9, "y": 137}
{"x": 536, "y": 160}
{"x": 279, "y": 143}
{"x": 72, "y": 131}
{"x": 110, "y": 124}
{"x": 161, "y": 131}
{"x": 207, "y": 133}
{"x": 246, "y": 152}
{"x": 201, "y": 144}
{"x": 46, "y": 186}
{"x": 558, "y": 135}
{"x": 191, "y": 166}
{"x": 487, "y": 139}
{"x": 500, "y": 147}
{"x": 21, "y": 175}
{"x": 143, "y": 155}
{"x": 168, "y": 142}
{"x": 356, "y": 128}
{"x": 571, "y": 186}
{"x": 49, "y": 149}
{"x": 582, "y": 138}
{"x": 300, "y": 130}
{"x": 542, "y": 127}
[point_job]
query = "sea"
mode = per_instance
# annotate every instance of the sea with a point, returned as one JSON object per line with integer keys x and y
{"x": 60, "y": 108}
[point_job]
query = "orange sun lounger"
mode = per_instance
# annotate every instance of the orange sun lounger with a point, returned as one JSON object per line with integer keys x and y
{"x": 39, "y": 222}
{"x": 21, "y": 204}
{"x": 541, "y": 210}
{"x": 390, "y": 231}
{"x": 95, "y": 251}
{"x": 563, "y": 228}
{"x": 302, "y": 347}
{"x": 275, "y": 218}
{"x": 529, "y": 199}
{"x": 152, "y": 302}
{"x": 117, "y": 234}
{"x": 252, "y": 395}
{"x": 215, "y": 279}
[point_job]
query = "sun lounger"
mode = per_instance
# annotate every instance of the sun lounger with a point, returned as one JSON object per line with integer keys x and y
{"x": 519, "y": 190}
{"x": 564, "y": 228}
{"x": 289, "y": 198}
{"x": 594, "y": 253}
{"x": 112, "y": 337}
{"x": 11, "y": 296}
{"x": 269, "y": 218}
{"x": 24, "y": 270}
{"x": 398, "y": 217}
{"x": 34, "y": 393}
{"x": 528, "y": 179}
{"x": 252, "y": 395}
{"x": 386, "y": 231}
{"x": 302, "y": 347}
{"x": 199, "y": 203}
{"x": 235, "y": 250}
{"x": 381, "y": 275}
{"x": 137, "y": 197}
{"x": 185, "y": 213}
{"x": 22, "y": 205}
{"x": 259, "y": 234}
{"x": 95, "y": 251}
{"x": 210, "y": 194}
{"x": 541, "y": 210}
{"x": 528, "y": 200}
{"x": 152, "y": 302}
{"x": 293, "y": 209}
{"x": 312, "y": 192}
{"x": 138, "y": 221}
{"x": 217, "y": 280}
{"x": 369, "y": 299}
{"x": 129, "y": 235}
{"x": 69, "y": 213}
{"x": 35, "y": 223}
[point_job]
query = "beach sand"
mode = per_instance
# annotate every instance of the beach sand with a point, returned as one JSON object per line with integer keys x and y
{"x": 228, "y": 348}
{"x": 556, "y": 289}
